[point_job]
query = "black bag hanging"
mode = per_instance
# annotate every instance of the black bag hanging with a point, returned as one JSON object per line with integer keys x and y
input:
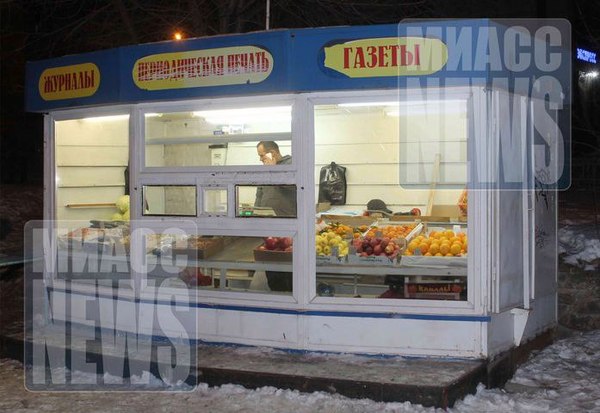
{"x": 332, "y": 184}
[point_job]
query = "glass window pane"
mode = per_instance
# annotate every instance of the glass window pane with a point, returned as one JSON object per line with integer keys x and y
{"x": 215, "y": 201}
{"x": 92, "y": 201}
{"x": 374, "y": 241}
{"x": 221, "y": 263}
{"x": 92, "y": 156}
{"x": 266, "y": 201}
{"x": 217, "y": 137}
{"x": 90, "y": 252}
{"x": 174, "y": 200}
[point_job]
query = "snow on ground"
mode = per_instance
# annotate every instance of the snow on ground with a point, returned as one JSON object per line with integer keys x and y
{"x": 564, "y": 377}
{"x": 579, "y": 246}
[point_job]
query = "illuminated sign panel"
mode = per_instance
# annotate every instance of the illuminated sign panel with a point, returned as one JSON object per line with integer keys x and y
{"x": 586, "y": 55}
{"x": 68, "y": 82}
{"x": 238, "y": 65}
{"x": 388, "y": 56}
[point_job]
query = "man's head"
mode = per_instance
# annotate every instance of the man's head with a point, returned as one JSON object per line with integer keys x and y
{"x": 268, "y": 152}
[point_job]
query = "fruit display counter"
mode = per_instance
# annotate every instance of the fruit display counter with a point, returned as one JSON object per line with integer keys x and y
{"x": 417, "y": 251}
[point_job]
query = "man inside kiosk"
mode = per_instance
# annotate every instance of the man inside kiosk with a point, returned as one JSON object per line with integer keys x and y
{"x": 282, "y": 199}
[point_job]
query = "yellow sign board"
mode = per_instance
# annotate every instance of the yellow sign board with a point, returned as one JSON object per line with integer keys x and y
{"x": 387, "y": 56}
{"x": 68, "y": 82}
{"x": 200, "y": 68}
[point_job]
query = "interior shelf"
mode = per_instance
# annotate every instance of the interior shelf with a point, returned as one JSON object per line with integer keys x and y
{"x": 241, "y": 137}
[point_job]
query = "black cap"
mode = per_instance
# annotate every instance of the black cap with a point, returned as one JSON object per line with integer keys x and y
{"x": 378, "y": 205}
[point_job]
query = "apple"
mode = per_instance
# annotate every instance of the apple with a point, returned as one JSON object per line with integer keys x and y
{"x": 285, "y": 242}
{"x": 389, "y": 249}
{"x": 262, "y": 248}
{"x": 271, "y": 243}
{"x": 374, "y": 242}
{"x": 359, "y": 249}
{"x": 377, "y": 250}
{"x": 369, "y": 250}
{"x": 288, "y": 249}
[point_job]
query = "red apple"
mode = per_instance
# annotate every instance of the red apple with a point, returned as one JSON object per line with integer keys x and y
{"x": 271, "y": 243}
{"x": 377, "y": 250}
{"x": 369, "y": 250}
{"x": 285, "y": 242}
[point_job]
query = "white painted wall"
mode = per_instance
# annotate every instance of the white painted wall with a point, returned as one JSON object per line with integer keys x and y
{"x": 376, "y": 149}
{"x": 185, "y": 125}
{"x": 91, "y": 157}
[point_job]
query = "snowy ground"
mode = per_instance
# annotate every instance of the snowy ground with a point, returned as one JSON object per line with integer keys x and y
{"x": 579, "y": 245}
{"x": 564, "y": 377}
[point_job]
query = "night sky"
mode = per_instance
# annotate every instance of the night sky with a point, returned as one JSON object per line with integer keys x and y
{"x": 38, "y": 29}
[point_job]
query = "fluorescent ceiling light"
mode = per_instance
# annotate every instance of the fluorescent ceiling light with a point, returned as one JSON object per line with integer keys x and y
{"x": 246, "y": 115}
{"x": 409, "y": 103}
{"x": 367, "y": 104}
{"x": 106, "y": 118}
{"x": 428, "y": 107}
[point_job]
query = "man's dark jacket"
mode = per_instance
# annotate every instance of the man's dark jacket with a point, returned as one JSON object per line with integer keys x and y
{"x": 281, "y": 198}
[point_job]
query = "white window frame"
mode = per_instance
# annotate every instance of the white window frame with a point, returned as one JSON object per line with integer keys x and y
{"x": 474, "y": 303}
{"x": 299, "y": 173}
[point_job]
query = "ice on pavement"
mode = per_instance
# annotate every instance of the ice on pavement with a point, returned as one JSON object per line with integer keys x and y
{"x": 564, "y": 377}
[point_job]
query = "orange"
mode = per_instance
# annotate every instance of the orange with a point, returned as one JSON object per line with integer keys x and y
{"x": 449, "y": 255}
{"x": 423, "y": 247}
{"x": 434, "y": 248}
{"x": 455, "y": 249}
{"x": 413, "y": 245}
{"x": 444, "y": 249}
{"x": 439, "y": 254}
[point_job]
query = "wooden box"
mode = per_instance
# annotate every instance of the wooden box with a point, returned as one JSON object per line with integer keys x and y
{"x": 433, "y": 290}
{"x": 268, "y": 255}
{"x": 199, "y": 248}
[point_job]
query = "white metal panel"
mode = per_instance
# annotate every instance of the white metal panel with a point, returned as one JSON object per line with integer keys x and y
{"x": 509, "y": 135}
{"x": 546, "y": 157}
{"x": 511, "y": 249}
{"x": 480, "y": 204}
{"x": 394, "y": 336}
{"x": 207, "y": 322}
{"x": 258, "y": 326}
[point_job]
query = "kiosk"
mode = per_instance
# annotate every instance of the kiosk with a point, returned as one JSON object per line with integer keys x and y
{"x": 408, "y": 110}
